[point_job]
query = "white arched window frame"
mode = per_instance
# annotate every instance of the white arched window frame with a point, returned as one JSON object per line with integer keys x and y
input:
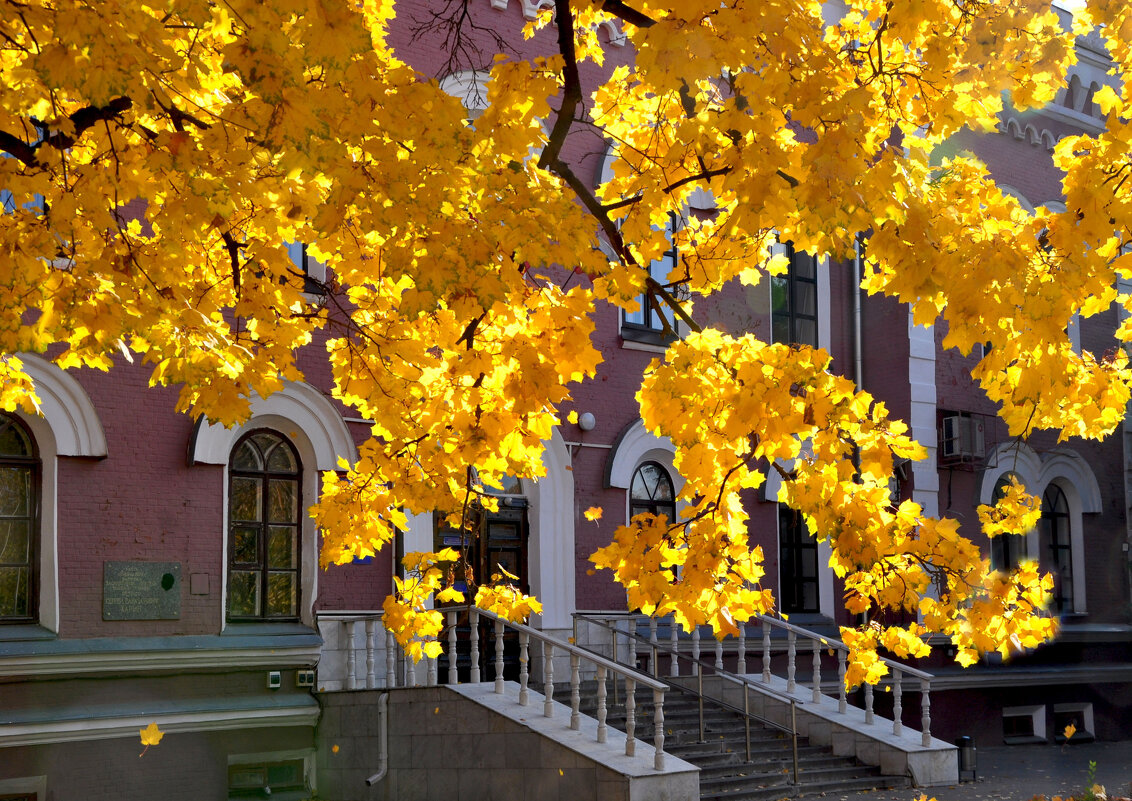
{"x": 634, "y": 446}
{"x": 1072, "y": 475}
{"x": 67, "y": 425}
{"x": 305, "y": 417}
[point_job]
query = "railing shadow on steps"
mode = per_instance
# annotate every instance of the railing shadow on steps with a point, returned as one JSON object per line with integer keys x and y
{"x": 397, "y": 663}
{"x": 699, "y": 667}
{"x": 623, "y": 625}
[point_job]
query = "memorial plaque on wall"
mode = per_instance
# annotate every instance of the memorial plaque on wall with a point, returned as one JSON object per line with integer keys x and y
{"x": 141, "y": 590}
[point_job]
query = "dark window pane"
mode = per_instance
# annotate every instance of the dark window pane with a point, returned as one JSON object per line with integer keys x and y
{"x": 780, "y": 330}
{"x": 246, "y": 457}
{"x": 14, "y": 591}
{"x": 15, "y": 489}
{"x": 243, "y": 593}
{"x": 281, "y": 547}
{"x": 281, "y": 594}
{"x": 13, "y": 440}
{"x": 805, "y": 266}
{"x": 807, "y": 333}
{"x": 282, "y": 460}
{"x": 15, "y": 544}
{"x": 264, "y": 441}
{"x": 284, "y": 501}
{"x": 503, "y": 531}
{"x": 245, "y": 499}
{"x": 806, "y": 299}
{"x": 245, "y": 545}
{"x": 779, "y": 294}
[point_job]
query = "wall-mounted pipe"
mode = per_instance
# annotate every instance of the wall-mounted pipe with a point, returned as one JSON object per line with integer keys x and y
{"x": 382, "y": 740}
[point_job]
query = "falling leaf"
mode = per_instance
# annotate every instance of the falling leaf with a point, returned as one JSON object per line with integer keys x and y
{"x": 151, "y": 735}
{"x": 560, "y": 773}
{"x": 334, "y": 749}
{"x": 593, "y": 513}
{"x": 1070, "y": 730}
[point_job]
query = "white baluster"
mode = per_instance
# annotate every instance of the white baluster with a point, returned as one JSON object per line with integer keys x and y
{"x": 766, "y": 652}
{"x": 474, "y": 637}
{"x": 742, "y": 649}
{"x": 841, "y": 700}
{"x": 602, "y": 730}
{"x": 371, "y": 648}
{"x": 674, "y": 642}
{"x": 897, "y": 702}
{"x": 791, "y": 656}
{"x": 925, "y": 708}
{"x": 868, "y": 704}
{"x": 718, "y": 654}
{"x": 658, "y": 728}
{"x": 695, "y": 650}
{"x": 630, "y": 716}
{"x": 575, "y": 693}
{"x": 351, "y": 657}
{"x": 453, "y": 675}
{"x": 524, "y": 693}
{"x": 410, "y": 667}
{"x": 390, "y": 660}
{"x": 632, "y": 649}
{"x": 548, "y": 679}
{"x": 817, "y": 671}
{"x": 498, "y": 656}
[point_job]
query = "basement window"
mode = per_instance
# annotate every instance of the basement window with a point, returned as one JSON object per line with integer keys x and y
{"x": 1079, "y": 716}
{"x": 1024, "y": 724}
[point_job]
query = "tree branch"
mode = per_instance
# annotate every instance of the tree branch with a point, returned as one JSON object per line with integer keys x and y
{"x": 82, "y": 120}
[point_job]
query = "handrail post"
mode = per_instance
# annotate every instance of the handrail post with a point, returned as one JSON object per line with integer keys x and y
{"x": 371, "y": 648}
{"x": 632, "y": 643}
{"x": 766, "y": 651}
{"x": 453, "y": 675}
{"x": 630, "y": 716}
{"x": 868, "y": 704}
{"x": 742, "y": 665}
{"x": 613, "y": 632}
{"x": 791, "y": 657}
{"x": 696, "y": 648}
{"x": 841, "y": 700}
{"x": 658, "y": 728}
{"x": 674, "y": 639}
{"x": 430, "y": 671}
{"x": 700, "y": 689}
{"x": 925, "y": 707}
{"x": 499, "y": 656}
{"x": 575, "y": 693}
{"x": 794, "y": 734}
{"x": 817, "y": 671}
{"x": 601, "y": 709}
{"x": 718, "y": 654}
{"x": 474, "y": 637}
{"x": 524, "y": 659}
{"x": 653, "y": 668}
{"x": 548, "y": 679}
{"x": 897, "y": 702}
{"x": 747, "y": 718}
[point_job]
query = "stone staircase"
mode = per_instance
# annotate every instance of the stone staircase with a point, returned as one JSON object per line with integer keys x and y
{"x": 725, "y": 773}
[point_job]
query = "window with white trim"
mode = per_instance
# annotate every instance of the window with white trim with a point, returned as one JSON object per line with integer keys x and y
{"x": 1057, "y": 546}
{"x": 798, "y": 563}
{"x": 264, "y": 528}
{"x": 19, "y": 522}
{"x": 1007, "y": 550}
{"x": 652, "y": 322}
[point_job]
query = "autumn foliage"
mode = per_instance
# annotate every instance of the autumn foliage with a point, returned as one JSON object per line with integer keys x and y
{"x": 161, "y": 156}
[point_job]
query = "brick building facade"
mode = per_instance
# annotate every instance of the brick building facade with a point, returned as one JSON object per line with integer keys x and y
{"x": 121, "y": 480}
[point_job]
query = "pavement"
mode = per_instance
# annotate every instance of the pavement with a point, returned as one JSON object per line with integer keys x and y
{"x": 1020, "y": 772}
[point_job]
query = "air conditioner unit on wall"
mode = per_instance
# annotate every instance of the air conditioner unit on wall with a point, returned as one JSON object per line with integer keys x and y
{"x": 962, "y": 437}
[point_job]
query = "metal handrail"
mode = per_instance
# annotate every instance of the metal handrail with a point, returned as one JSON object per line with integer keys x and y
{"x": 832, "y": 643}
{"x": 817, "y": 642}
{"x": 743, "y": 681}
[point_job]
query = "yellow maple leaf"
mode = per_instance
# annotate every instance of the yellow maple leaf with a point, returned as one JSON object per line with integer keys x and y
{"x": 150, "y": 735}
{"x": 593, "y": 513}
{"x": 1070, "y": 730}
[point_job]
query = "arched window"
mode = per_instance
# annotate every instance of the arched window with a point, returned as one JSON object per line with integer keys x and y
{"x": 651, "y": 491}
{"x": 1057, "y": 546}
{"x": 264, "y": 530}
{"x": 1007, "y": 550}
{"x": 19, "y": 525}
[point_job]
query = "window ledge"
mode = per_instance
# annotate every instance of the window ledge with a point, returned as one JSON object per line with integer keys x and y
{"x": 20, "y": 632}
{"x": 647, "y": 347}
{"x": 256, "y": 628}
